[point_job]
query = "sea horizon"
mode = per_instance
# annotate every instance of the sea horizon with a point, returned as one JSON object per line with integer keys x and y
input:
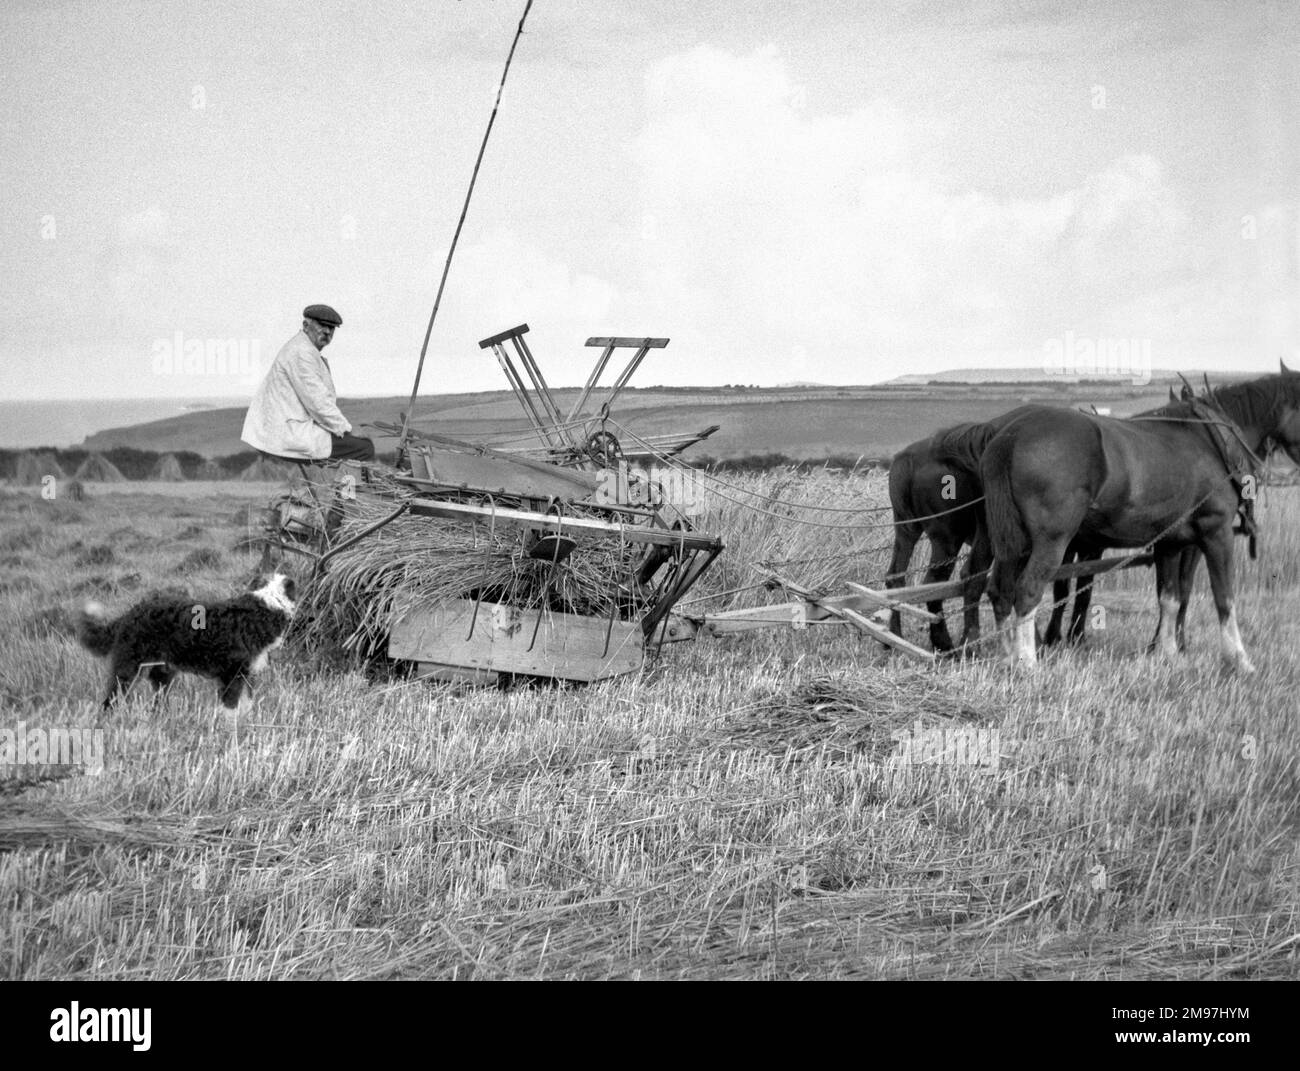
{"x": 64, "y": 423}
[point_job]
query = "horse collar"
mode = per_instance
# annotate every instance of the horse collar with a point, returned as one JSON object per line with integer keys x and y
{"x": 1218, "y": 424}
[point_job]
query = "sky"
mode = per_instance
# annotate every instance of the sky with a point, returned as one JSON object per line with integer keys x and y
{"x": 832, "y": 192}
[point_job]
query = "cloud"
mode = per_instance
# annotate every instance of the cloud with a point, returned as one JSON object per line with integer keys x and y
{"x": 497, "y": 281}
{"x": 142, "y": 277}
{"x": 512, "y": 280}
{"x": 773, "y": 232}
{"x": 1242, "y": 309}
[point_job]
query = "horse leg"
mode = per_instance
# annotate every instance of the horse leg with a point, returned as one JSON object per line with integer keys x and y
{"x": 1002, "y": 588}
{"x": 943, "y": 559}
{"x": 905, "y": 537}
{"x": 1060, "y": 596}
{"x": 1218, "y": 561}
{"x": 1044, "y": 560}
{"x": 1187, "y": 564}
{"x": 1167, "y": 564}
{"x": 1082, "y": 598}
{"x": 975, "y": 578}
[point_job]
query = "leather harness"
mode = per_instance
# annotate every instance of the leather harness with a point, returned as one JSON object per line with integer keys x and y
{"x": 1242, "y": 471}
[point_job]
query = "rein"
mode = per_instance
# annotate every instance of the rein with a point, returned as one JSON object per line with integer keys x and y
{"x": 1256, "y": 460}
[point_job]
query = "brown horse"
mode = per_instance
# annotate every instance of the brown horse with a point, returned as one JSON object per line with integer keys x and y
{"x": 1080, "y": 551}
{"x": 935, "y": 491}
{"x": 1173, "y": 481}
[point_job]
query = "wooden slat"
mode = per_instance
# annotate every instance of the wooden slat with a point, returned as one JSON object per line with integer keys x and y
{"x": 565, "y": 646}
{"x": 826, "y": 610}
{"x": 497, "y": 475}
{"x": 885, "y": 636}
{"x": 478, "y": 449}
{"x": 884, "y": 599}
{"x": 555, "y": 524}
{"x": 951, "y": 589}
{"x": 854, "y": 618}
{"x": 652, "y": 343}
{"x": 780, "y": 615}
{"x": 522, "y": 329}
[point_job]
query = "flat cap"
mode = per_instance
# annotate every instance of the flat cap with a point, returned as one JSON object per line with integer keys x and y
{"x": 323, "y": 314}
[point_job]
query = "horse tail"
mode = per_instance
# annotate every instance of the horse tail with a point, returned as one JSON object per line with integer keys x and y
{"x": 906, "y": 530}
{"x": 1006, "y": 531}
{"x": 964, "y": 445}
{"x": 900, "y": 487}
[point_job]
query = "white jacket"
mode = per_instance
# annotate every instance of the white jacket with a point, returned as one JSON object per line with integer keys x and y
{"x": 293, "y": 410}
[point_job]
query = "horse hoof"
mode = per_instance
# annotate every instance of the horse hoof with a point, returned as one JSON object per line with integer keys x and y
{"x": 941, "y": 643}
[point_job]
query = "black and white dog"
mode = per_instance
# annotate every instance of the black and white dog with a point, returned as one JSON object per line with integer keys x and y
{"x": 226, "y": 640}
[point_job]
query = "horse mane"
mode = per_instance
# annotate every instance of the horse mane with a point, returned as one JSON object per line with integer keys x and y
{"x": 1257, "y": 401}
{"x": 963, "y": 445}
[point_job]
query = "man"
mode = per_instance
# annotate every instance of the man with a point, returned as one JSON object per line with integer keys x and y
{"x": 294, "y": 415}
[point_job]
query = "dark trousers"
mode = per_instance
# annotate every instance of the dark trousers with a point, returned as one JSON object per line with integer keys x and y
{"x": 345, "y": 448}
{"x": 349, "y": 447}
{"x": 342, "y": 448}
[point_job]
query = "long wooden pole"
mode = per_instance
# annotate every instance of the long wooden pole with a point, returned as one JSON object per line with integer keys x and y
{"x": 446, "y": 268}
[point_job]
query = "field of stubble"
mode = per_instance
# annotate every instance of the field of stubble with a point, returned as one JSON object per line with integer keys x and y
{"x": 729, "y": 812}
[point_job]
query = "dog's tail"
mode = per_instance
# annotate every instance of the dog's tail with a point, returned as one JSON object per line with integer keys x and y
{"x": 95, "y": 630}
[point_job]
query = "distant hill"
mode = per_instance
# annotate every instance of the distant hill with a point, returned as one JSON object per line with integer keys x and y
{"x": 800, "y": 422}
{"x": 1038, "y": 375}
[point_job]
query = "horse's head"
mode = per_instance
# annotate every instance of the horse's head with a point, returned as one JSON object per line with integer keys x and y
{"x": 1286, "y": 432}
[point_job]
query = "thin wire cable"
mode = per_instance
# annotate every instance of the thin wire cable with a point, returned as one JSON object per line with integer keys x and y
{"x": 446, "y": 268}
{"x": 697, "y": 474}
{"x": 701, "y": 474}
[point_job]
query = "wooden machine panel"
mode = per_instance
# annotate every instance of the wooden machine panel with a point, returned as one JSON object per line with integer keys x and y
{"x": 509, "y": 640}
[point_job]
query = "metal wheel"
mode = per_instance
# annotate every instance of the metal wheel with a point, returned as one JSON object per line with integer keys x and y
{"x": 604, "y": 449}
